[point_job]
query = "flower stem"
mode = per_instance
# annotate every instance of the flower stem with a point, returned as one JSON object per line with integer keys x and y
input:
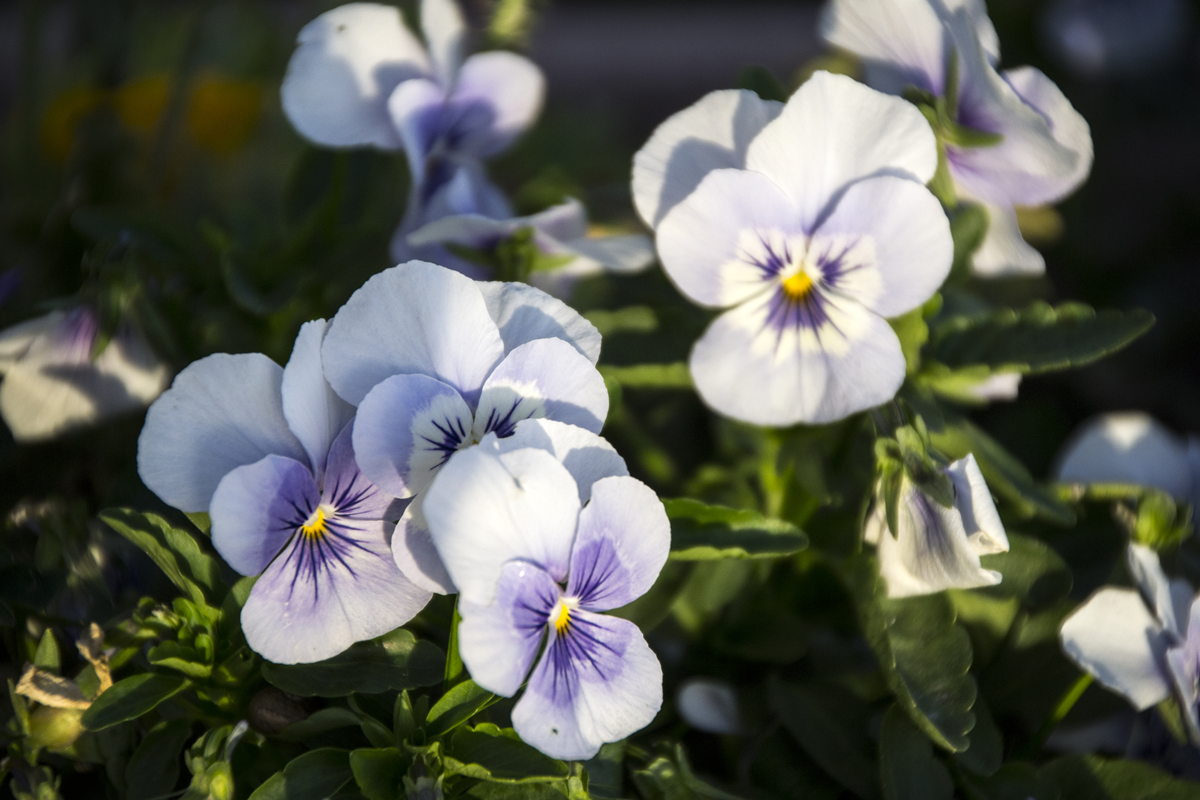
{"x": 454, "y": 664}
{"x": 1056, "y": 716}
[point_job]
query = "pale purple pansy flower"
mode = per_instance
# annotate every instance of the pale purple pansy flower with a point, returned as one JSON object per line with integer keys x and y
{"x": 359, "y": 76}
{"x": 558, "y": 232}
{"x": 435, "y": 362}
{"x": 533, "y": 565}
{"x": 826, "y": 231}
{"x": 267, "y": 453}
{"x": 1133, "y": 447}
{"x": 936, "y": 547}
{"x": 53, "y": 384}
{"x": 1046, "y": 152}
{"x": 1142, "y": 643}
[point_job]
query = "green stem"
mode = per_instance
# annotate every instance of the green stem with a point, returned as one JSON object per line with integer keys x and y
{"x": 454, "y": 664}
{"x": 774, "y": 484}
{"x": 1056, "y": 716}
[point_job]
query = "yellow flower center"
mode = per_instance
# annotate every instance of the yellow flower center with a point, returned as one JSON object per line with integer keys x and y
{"x": 798, "y": 285}
{"x": 564, "y": 617}
{"x": 314, "y": 527}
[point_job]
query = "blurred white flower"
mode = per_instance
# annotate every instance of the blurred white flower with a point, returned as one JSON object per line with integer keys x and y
{"x": 709, "y": 705}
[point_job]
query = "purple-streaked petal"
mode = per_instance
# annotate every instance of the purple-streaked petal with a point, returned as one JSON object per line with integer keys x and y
{"x": 1127, "y": 447}
{"x": 312, "y": 409}
{"x": 349, "y": 491}
{"x": 544, "y": 378}
{"x": 445, "y": 31}
{"x": 1155, "y": 588}
{"x": 597, "y": 682}
{"x": 416, "y": 318}
{"x": 906, "y": 232}
{"x": 346, "y": 65}
{"x": 510, "y": 87}
{"x": 974, "y": 502}
{"x": 562, "y": 222}
{"x": 1183, "y": 662}
{"x": 418, "y": 112}
{"x": 406, "y": 428}
{"x": 468, "y": 192}
{"x": 222, "y": 412}
{"x": 258, "y": 508}
{"x": 498, "y": 642}
{"x": 623, "y": 541}
{"x": 414, "y": 552}
{"x": 835, "y": 131}
{"x": 1004, "y": 250}
{"x": 327, "y": 591}
{"x": 524, "y": 314}
{"x": 586, "y": 456}
{"x": 730, "y": 238}
{"x": 771, "y": 363}
{"x": 1114, "y": 637}
{"x": 484, "y": 509}
{"x": 713, "y": 133}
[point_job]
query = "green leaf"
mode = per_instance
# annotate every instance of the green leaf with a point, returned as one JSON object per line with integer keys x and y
{"x": 130, "y": 698}
{"x": 986, "y": 753}
{"x": 488, "y": 753}
{"x": 1016, "y": 780}
{"x": 47, "y": 656}
{"x": 1037, "y": 339}
{"x": 173, "y": 655}
{"x": 824, "y": 722}
{"x": 202, "y": 521}
{"x": 1032, "y": 572}
{"x": 907, "y": 767}
{"x": 396, "y": 660}
{"x": 605, "y": 771}
{"x": 1092, "y": 777}
{"x": 924, "y": 655}
{"x": 456, "y": 707}
{"x": 763, "y": 82}
{"x": 187, "y": 564}
{"x": 379, "y": 772}
{"x": 702, "y": 532}
{"x": 153, "y": 770}
{"x": 631, "y": 319}
{"x": 912, "y": 331}
{"x": 327, "y": 719}
{"x": 649, "y": 376}
{"x": 669, "y": 776}
{"x": 315, "y": 775}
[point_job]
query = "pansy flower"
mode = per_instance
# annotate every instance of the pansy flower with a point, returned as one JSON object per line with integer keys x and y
{"x": 267, "y": 452}
{"x": 537, "y": 558}
{"x": 1046, "y": 150}
{"x": 435, "y": 362}
{"x": 359, "y": 76}
{"x": 827, "y": 231}
{"x": 936, "y": 547}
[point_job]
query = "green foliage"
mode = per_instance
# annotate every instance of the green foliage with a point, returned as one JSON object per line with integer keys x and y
{"x": 396, "y": 660}
{"x": 1088, "y": 777}
{"x": 906, "y": 764}
{"x": 456, "y": 707}
{"x": 830, "y": 726}
{"x": 379, "y": 772}
{"x": 154, "y": 767}
{"x": 130, "y": 698}
{"x": 489, "y": 753}
{"x": 315, "y": 775}
{"x": 702, "y": 532}
{"x": 649, "y": 376}
{"x": 181, "y": 557}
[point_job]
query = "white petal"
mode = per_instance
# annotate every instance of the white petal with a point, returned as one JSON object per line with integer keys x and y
{"x": 416, "y": 318}
{"x": 414, "y": 553}
{"x": 974, "y": 502}
{"x": 1152, "y": 582}
{"x": 346, "y": 65}
{"x": 312, "y": 409}
{"x": 1127, "y": 447}
{"x": 445, "y": 30}
{"x": 713, "y": 133}
{"x": 622, "y": 253}
{"x": 524, "y": 314}
{"x": 748, "y": 370}
{"x": 15, "y": 341}
{"x": 709, "y": 705}
{"x": 999, "y": 386}
{"x": 221, "y": 412}
{"x": 715, "y": 243}
{"x": 835, "y": 131}
{"x": 484, "y": 509}
{"x": 586, "y": 456}
{"x": 510, "y": 87}
{"x": 1004, "y": 250}
{"x": 1067, "y": 126}
{"x": 1114, "y": 637}
{"x": 415, "y": 108}
{"x": 909, "y": 235}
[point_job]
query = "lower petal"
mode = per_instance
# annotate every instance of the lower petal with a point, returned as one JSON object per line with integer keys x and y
{"x": 1004, "y": 250}
{"x": 586, "y": 456}
{"x": 415, "y": 554}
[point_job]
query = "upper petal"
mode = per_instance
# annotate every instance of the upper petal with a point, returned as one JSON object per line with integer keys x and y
{"x": 445, "y": 32}
{"x": 1152, "y": 582}
{"x": 312, "y": 409}
{"x": 347, "y": 63}
{"x": 258, "y": 508}
{"x": 484, "y": 509}
{"x": 523, "y": 314}
{"x": 623, "y": 541}
{"x": 510, "y": 87}
{"x": 974, "y": 503}
{"x": 713, "y": 133}
{"x": 835, "y": 131}
{"x": 1067, "y": 126}
{"x": 221, "y": 412}
{"x": 417, "y": 318}
{"x": 1126, "y": 447}
{"x": 586, "y": 456}
{"x": 1114, "y": 637}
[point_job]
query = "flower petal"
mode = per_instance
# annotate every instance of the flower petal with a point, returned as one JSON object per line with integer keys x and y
{"x": 346, "y": 65}
{"x": 622, "y": 542}
{"x": 599, "y": 682}
{"x": 350, "y": 491}
{"x": 419, "y": 114}
{"x": 312, "y": 409}
{"x": 835, "y": 131}
{"x": 322, "y": 595}
{"x": 484, "y": 509}
{"x": 709, "y": 705}
{"x": 1067, "y": 126}
{"x": 511, "y": 87}
{"x": 1114, "y": 637}
{"x": 1183, "y": 663}
{"x": 910, "y": 239}
{"x": 445, "y": 31}
{"x": 974, "y": 502}
{"x": 713, "y": 133}
{"x": 543, "y": 378}
{"x": 523, "y": 314}
{"x": 258, "y": 508}
{"x": 415, "y": 554}
{"x": 1152, "y": 582}
{"x": 1004, "y": 250}
{"x": 222, "y": 412}
{"x": 586, "y": 456}
{"x": 1127, "y": 447}
{"x": 417, "y": 318}
{"x": 717, "y": 244}
{"x": 498, "y": 642}
{"x": 406, "y": 428}
{"x": 751, "y": 366}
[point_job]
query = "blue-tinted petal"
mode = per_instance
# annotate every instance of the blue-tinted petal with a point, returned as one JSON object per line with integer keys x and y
{"x": 314, "y": 412}
{"x": 415, "y": 554}
{"x": 586, "y": 456}
{"x": 524, "y": 314}
{"x": 258, "y": 508}
{"x": 351, "y": 492}
{"x": 445, "y": 30}
{"x": 510, "y": 87}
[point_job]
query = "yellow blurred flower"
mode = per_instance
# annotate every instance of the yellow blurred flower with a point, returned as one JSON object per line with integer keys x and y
{"x": 140, "y": 103}
{"x": 223, "y": 112}
{"x": 62, "y": 116}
